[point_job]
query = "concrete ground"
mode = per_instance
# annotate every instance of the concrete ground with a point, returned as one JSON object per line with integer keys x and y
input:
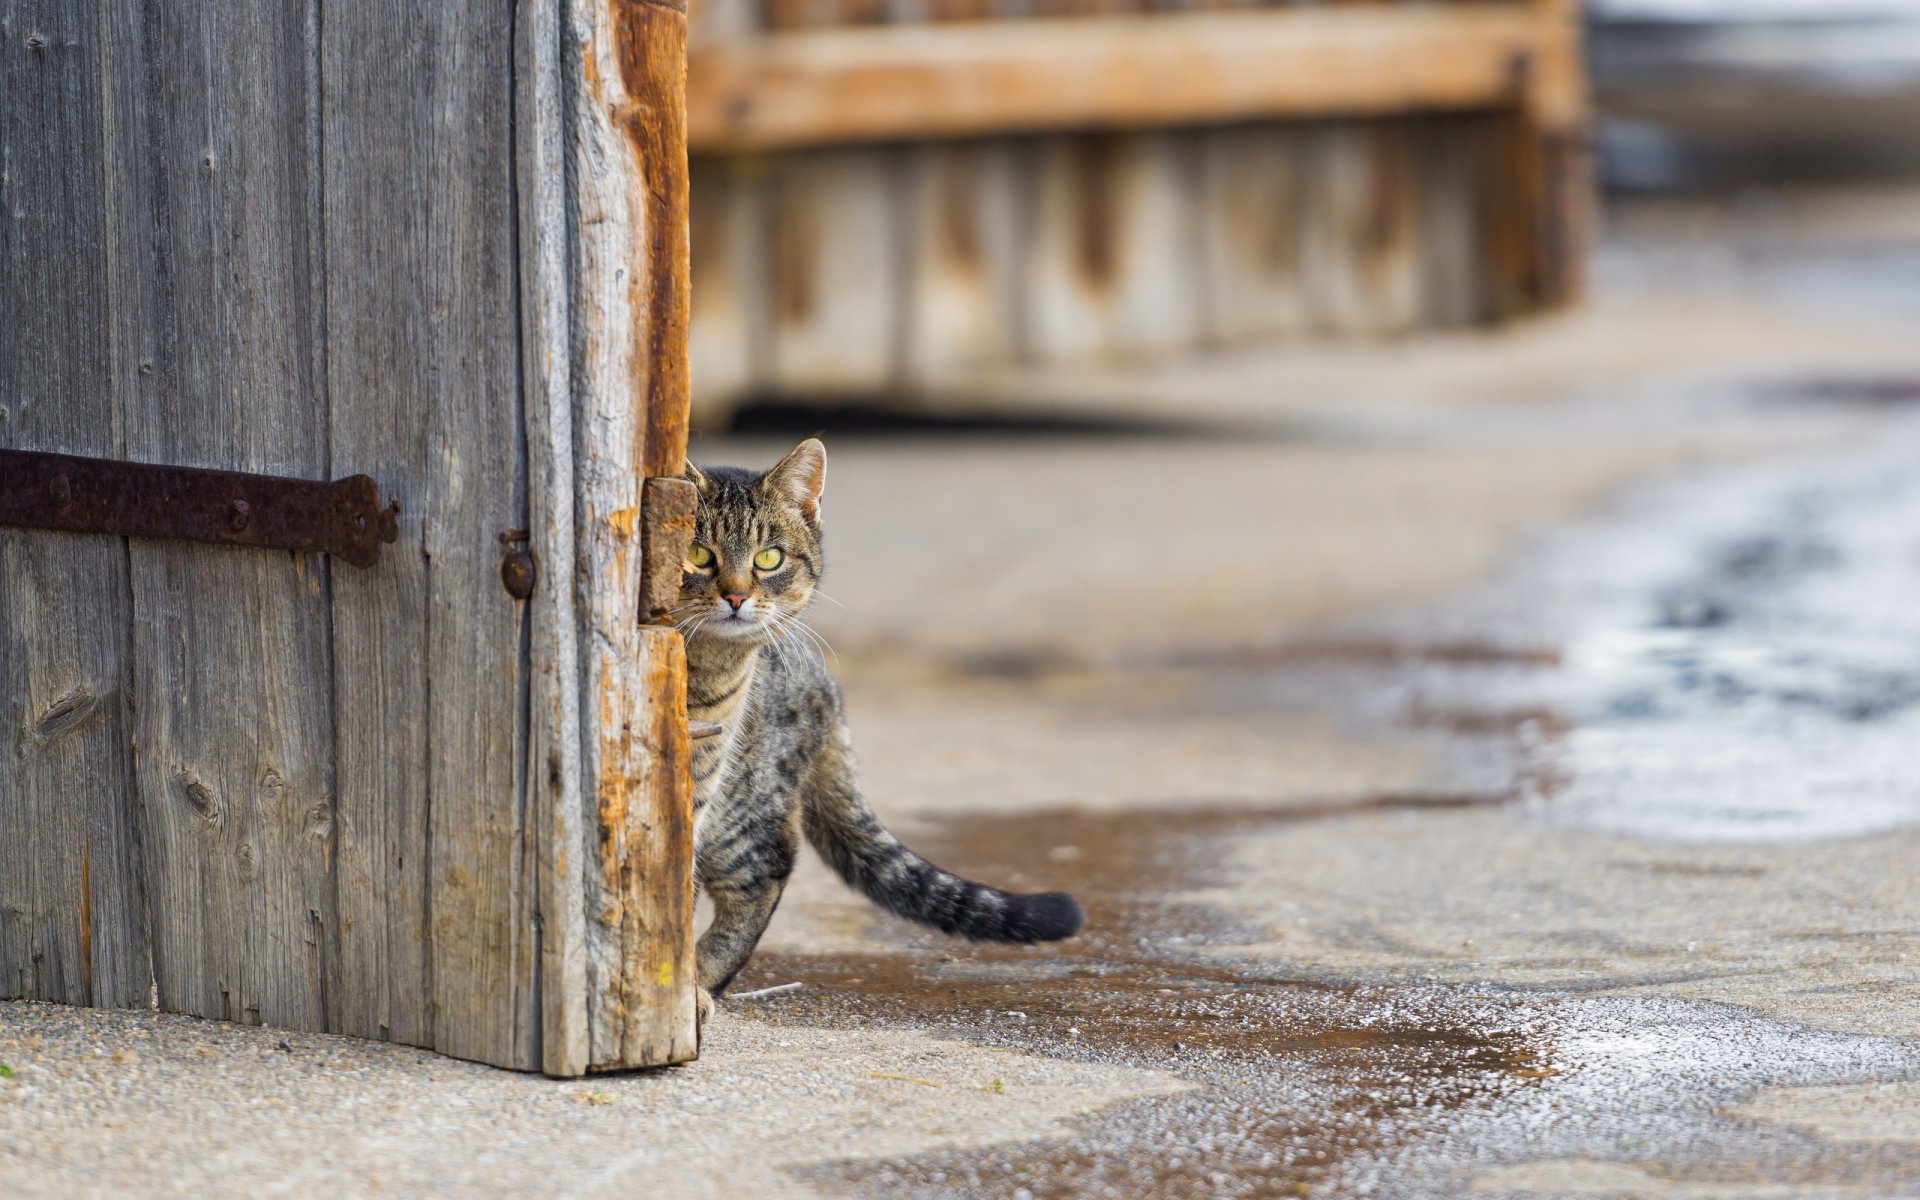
{"x": 1481, "y": 760}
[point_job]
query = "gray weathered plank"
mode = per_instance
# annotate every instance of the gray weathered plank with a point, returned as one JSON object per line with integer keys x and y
{"x": 380, "y": 140}
{"x": 72, "y": 927}
{"x": 435, "y": 893}
{"x": 484, "y": 995}
{"x": 557, "y": 816}
{"x": 210, "y": 184}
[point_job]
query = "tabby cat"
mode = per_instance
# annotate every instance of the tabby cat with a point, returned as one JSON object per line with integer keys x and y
{"x": 784, "y": 765}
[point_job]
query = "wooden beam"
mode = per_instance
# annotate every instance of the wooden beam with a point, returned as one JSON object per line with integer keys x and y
{"x": 628, "y": 325}
{"x": 1137, "y": 71}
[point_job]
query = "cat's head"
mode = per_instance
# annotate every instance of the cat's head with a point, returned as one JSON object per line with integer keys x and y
{"x": 756, "y": 555}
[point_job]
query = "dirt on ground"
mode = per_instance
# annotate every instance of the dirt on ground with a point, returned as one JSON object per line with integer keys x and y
{"x": 1485, "y": 764}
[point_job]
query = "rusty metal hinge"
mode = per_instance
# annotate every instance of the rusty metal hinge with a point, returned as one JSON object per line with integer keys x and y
{"x": 98, "y": 495}
{"x": 667, "y": 508}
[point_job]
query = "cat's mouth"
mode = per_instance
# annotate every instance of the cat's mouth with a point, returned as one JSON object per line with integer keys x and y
{"x": 744, "y": 622}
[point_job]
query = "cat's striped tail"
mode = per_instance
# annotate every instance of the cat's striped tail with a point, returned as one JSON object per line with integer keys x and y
{"x": 851, "y": 838}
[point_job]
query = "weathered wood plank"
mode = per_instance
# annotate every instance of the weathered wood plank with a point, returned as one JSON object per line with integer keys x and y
{"x": 963, "y": 238}
{"x": 656, "y": 889}
{"x": 436, "y": 895}
{"x": 484, "y": 996}
{"x": 837, "y": 270}
{"x": 1250, "y": 233}
{"x": 72, "y": 923}
{"x": 1111, "y": 250}
{"x": 212, "y": 191}
{"x": 621, "y": 56}
{"x": 1452, "y": 170}
{"x": 380, "y": 378}
{"x": 668, "y": 508}
{"x": 1129, "y": 71}
{"x": 1359, "y": 235}
{"x": 557, "y": 816}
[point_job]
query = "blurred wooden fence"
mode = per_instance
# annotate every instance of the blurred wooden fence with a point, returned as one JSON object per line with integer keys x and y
{"x": 884, "y": 208}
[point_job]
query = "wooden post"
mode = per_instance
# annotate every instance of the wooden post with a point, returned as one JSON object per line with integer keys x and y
{"x": 625, "y": 70}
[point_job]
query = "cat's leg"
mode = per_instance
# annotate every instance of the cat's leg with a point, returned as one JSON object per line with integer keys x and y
{"x": 744, "y": 890}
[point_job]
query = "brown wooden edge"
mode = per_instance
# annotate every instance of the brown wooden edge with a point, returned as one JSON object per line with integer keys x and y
{"x": 604, "y": 230}
{"x": 882, "y": 82}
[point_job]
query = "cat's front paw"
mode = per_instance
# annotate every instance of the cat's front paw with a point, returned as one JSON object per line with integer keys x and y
{"x": 703, "y": 1007}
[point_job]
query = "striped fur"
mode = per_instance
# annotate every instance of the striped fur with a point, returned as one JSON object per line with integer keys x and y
{"x": 784, "y": 768}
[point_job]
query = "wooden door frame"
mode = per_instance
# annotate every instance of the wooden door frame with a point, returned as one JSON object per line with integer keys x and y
{"x": 603, "y": 184}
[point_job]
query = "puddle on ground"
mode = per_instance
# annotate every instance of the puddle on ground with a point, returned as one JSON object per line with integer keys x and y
{"x": 1302, "y": 1087}
{"x": 1295, "y": 1076}
{"x": 1743, "y": 657}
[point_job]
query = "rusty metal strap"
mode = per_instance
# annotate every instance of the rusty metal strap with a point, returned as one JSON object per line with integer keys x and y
{"x": 95, "y": 495}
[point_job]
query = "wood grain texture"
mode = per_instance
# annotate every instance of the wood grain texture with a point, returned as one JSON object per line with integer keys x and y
{"x": 378, "y": 280}
{"x": 617, "y": 318}
{"x": 211, "y": 186}
{"x": 667, "y": 510}
{"x": 556, "y": 814}
{"x": 361, "y": 801}
{"x": 655, "y": 883}
{"x": 1131, "y": 71}
{"x": 435, "y": 885}
{"x": 652, "y": 45}
{"x": 72, "y": 924}
{"x": 484, "y": 996}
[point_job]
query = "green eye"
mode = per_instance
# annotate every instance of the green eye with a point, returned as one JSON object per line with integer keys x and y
{"x": 769, "y": 559}
{"x": 699, "y": 557}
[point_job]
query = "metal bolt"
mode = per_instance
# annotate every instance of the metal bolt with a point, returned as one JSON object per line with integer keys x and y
{"x": 239, "y": 512}
{"x": 517, "y": 573}
{"x": 60, "y": 488}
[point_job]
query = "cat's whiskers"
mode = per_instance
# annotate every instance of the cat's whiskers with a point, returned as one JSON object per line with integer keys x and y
{"x": 791, "y": 624}
{"x": 814, "y": 635}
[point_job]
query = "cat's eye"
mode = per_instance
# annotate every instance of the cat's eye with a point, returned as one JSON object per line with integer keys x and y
{"x": 769, "y": 559}
{"x": 699, "y": 557}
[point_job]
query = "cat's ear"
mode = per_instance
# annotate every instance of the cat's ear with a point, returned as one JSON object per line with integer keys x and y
{"x": 695, "y": 476}
{"x": 801, "y": 476}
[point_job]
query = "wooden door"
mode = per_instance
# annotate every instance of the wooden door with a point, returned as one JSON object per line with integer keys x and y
{"x": 399, "y": 802}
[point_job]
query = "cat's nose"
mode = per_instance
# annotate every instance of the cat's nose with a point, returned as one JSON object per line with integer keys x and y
{"x": 734, "y": 598}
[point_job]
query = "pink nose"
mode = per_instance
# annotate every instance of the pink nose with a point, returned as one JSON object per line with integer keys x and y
{"x": 735, "y": 598}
